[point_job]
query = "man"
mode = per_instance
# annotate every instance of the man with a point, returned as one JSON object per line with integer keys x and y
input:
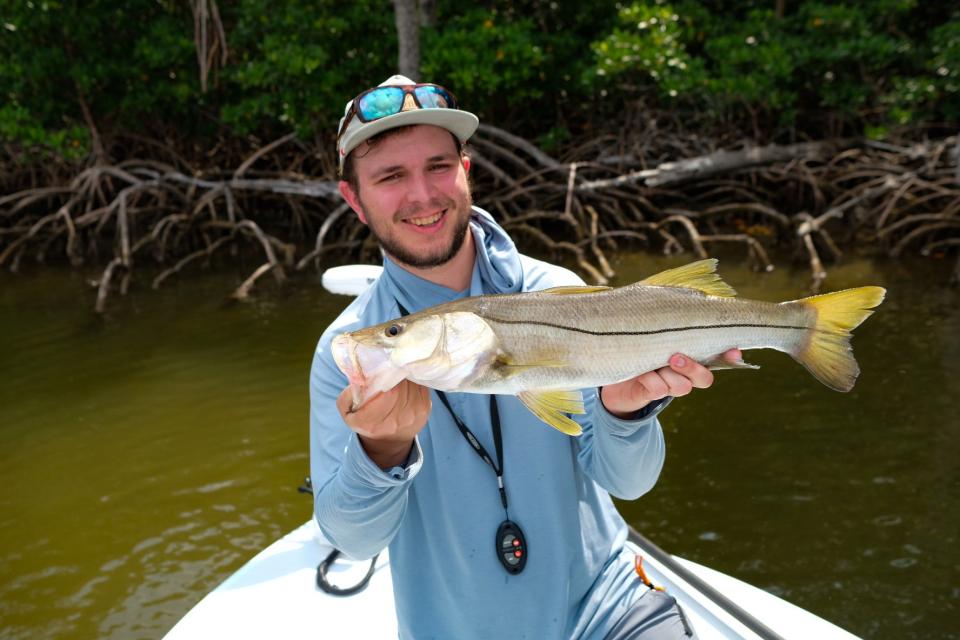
{"x": 401, "y": 471}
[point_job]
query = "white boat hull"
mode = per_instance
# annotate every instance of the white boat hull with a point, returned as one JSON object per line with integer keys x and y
{"x": 275, "y": 596}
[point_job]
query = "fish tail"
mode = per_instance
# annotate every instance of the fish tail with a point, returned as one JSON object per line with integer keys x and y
{"x": 828, "y": 354}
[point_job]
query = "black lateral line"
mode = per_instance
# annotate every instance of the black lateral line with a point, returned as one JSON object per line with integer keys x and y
{"x": 743, "y": 325}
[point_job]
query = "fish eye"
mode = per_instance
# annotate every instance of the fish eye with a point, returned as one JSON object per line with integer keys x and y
{"x": 393, "y": 331}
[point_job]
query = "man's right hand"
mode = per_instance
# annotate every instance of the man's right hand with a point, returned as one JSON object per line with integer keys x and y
{"x": 388, "y": 422}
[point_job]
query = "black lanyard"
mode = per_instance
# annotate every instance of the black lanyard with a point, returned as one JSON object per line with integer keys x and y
{"x": 472, "y": 440}
{"x": 511, "y": 545}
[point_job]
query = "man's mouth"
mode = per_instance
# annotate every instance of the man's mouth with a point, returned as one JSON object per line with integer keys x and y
{"x": 426, "y": 221}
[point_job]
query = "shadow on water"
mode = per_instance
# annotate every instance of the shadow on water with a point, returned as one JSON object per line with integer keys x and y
{"x": 145, "y": 457}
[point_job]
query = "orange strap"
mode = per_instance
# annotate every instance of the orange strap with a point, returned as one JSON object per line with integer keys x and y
{"x": 638, "y": 565}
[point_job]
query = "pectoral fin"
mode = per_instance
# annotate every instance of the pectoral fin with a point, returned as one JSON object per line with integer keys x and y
{"x": 551, "y": 407}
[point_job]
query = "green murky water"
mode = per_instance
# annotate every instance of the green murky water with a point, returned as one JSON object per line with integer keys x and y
{"x": 146, "y": 456}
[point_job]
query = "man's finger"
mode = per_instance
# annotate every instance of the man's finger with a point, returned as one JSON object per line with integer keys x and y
{"x": 699, "y": 376}
{"x": 344, "y": 401}
{"x": 677, "y": 383}
{"x": 654, "y": 385}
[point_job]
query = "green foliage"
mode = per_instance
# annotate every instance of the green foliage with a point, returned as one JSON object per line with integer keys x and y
{"x": 126, "y": 61}
{"x": 17, "y": 123}
{"x": 872, "y": 63}
{"x": 844, "y": 53}
{"x": 944, "y": 65}
{"x": 751, "y": 63}
{"x": 134, "y": 63}
{"x": 296, "y": 64}
{"x": 544, "y": 69}
{"x": 647, "y": 47}
{"x": 935, "y": 91}
{"x": 494, "y": 61}
{"x": 518, "y": 63}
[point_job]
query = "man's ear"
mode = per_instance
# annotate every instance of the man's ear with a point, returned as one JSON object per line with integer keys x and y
{"x": 465, "y": 161}
{"x": 352, "y": 198}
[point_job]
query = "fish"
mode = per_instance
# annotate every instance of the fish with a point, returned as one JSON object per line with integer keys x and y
{"x": 546, "y": 346}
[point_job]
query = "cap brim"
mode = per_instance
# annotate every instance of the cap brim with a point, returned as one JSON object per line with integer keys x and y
{"x": 462, "y": 124}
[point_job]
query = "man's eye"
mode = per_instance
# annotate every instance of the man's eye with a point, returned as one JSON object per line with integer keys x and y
{"x": 393, "y": 177}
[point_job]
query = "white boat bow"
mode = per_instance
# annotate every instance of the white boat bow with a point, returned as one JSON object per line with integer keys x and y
{"x": 275, "y": 595}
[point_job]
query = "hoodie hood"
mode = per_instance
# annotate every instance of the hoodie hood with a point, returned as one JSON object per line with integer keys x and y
{"x": 498, "y": 261}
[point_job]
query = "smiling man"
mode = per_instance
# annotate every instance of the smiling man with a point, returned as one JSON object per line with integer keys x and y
{"x": 418, "y": 211}
{"x": 498, "y": 526}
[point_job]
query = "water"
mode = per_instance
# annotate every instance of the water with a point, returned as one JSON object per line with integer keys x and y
{"x": 146, "y": 456}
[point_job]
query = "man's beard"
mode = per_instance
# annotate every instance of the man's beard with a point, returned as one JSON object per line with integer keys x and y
{"x": 401, "y": 254}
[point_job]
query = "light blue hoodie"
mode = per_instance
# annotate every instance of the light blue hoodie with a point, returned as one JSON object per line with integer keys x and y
{"x": 439, "y": 513}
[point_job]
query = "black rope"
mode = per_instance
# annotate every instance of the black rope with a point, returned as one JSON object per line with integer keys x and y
{"x": 322, "y": 568}
{"x": 333, "y": 589}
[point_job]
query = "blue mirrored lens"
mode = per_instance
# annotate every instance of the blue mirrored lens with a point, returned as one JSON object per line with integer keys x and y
{"x": 433, "y": 97}
{"x": 380, "y": 103}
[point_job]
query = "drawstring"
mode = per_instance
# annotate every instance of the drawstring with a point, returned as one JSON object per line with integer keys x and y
{"x": 638, "y": 566}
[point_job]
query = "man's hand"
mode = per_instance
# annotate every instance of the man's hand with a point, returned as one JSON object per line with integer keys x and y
{"x": 388, "y": 422}
{"x": 682, "y": 376}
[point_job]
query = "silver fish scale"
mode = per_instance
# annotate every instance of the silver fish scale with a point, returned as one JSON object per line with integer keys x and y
{"x": 570, "y": 341}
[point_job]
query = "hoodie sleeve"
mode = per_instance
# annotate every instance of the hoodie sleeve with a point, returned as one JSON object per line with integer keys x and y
{"x": 357, "y": 505}
{"x": 624, "y": 457}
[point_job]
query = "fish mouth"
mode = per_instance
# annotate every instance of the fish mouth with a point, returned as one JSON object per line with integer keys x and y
{"x": 368, "y": 368}
{"x": 344, "y": 349}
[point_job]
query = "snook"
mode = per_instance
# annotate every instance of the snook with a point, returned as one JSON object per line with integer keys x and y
{"x": 544, "y": 346}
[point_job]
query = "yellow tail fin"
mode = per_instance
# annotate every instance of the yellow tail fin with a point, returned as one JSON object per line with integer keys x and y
{"x": 828, "y": 355}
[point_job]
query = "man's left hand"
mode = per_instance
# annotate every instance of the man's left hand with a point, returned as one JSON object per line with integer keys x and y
{"x": 679, "y": 378}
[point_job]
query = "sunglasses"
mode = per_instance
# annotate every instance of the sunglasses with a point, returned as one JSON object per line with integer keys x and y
{"x": 381, "y": 102}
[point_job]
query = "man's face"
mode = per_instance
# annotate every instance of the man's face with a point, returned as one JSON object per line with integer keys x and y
{"x": 414, "y": 195}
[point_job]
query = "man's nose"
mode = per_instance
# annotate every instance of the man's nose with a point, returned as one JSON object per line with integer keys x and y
{"x": 421, "y": 188}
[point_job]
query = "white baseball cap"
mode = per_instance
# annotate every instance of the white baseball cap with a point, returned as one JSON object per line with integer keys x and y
{"x": 460, "y": 123}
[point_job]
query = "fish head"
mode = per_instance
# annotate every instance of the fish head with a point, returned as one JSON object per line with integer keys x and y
{"x": 438, "y": 350}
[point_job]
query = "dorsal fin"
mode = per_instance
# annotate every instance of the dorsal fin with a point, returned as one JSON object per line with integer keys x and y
{"x": 566, "y": 291}
{"x": 700, "y": 276}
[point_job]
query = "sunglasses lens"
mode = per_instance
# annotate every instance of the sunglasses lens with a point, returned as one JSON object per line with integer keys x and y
{"x": 380, "y": 103}
{"x": 433, "y": 97}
